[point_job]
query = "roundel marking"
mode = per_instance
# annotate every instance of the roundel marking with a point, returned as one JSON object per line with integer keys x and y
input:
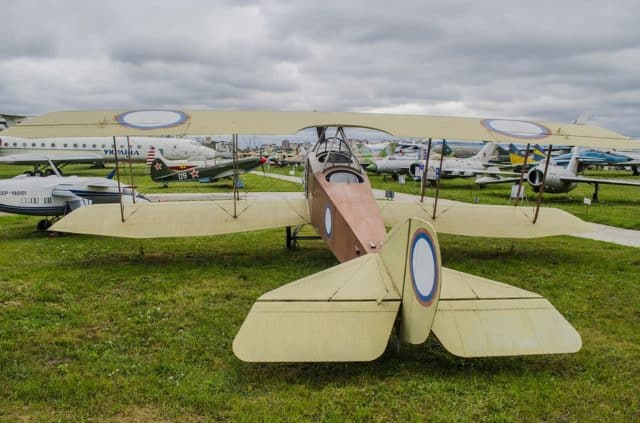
{"x": 424, "y": 267}
{"x": 328, "y": 220}
{"x": 517, "y": 128}
{"x": 152, "y": 119}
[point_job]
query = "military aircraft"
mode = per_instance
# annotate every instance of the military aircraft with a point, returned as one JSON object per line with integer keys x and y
{"x": 386, "y": 283}
{"x": 558, "y": 179}
{"x": 595, "y": 157}
{"x": 56, "y": 195}
{"x": 452, "y": 167}
{"x": 44, "y": 152}
{"x": 210, "y": 172}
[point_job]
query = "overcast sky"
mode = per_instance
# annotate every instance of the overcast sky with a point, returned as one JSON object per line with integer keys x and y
{"x": 546, "y": 60}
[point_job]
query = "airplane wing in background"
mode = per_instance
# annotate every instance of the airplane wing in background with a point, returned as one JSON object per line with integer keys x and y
{"x": 582, "y": 179}
{"x": 55, "y": 158}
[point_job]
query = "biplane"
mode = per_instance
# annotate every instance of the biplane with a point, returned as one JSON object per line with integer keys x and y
{"x": 387, "y": 285}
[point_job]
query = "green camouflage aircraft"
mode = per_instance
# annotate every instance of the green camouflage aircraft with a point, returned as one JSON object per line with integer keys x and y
{"x": 161, "y": 172}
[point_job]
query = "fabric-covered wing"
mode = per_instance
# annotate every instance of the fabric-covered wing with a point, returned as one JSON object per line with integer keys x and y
{"x": 344, "y": 313}
{"x": 207, "y": 122}
{"x": 478, "y": 317}
{"x": 586, "y": 180}
{"x": 37, "y": 159}
{"x": 485, "y": 220}
{"x": 187, "y": 218}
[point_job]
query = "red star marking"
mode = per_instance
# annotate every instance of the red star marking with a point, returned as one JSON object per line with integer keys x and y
{"x": 158, "y": 166}
{"x": 194, "y": 173}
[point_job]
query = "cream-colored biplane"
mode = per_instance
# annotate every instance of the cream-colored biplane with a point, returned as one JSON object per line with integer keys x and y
{"x": 387, "y": 283}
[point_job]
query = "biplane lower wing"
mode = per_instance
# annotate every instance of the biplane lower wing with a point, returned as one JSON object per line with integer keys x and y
{"x": 478, "y": 317}
{"x": 481, "y": 220}
{"x": 348, "y": 312}
{"x": 188, "y": 218}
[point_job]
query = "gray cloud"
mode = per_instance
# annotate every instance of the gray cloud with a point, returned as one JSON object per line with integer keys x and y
{"x": 544, "y": 60}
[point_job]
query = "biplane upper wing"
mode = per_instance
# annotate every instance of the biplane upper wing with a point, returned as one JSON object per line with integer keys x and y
{"x": 481, "y": 220}
{"x": 210, "y": 122}
{"x": 185, "y": 218}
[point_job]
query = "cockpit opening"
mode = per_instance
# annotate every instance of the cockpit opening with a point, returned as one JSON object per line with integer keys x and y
{"x": 344, "y": 177}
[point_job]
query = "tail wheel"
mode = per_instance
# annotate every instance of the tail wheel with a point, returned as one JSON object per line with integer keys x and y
{"x": 44, "y": 224}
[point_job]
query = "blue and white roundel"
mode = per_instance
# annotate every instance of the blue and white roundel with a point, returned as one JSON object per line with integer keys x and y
{"x": 517, "y": 128}
{"x": 152, "y": 119}
{"x": 328, "y": 221}
{"x": 424, "y": 267}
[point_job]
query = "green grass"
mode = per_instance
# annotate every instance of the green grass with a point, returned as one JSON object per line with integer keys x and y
{"x": 142, "y": 329}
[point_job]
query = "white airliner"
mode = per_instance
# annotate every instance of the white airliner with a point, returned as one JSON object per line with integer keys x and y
{"x": 61, "y": 151}
{"x": 56, "y": 195}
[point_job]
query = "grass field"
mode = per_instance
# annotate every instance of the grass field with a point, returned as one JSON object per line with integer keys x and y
{"x": 142, "y": 329}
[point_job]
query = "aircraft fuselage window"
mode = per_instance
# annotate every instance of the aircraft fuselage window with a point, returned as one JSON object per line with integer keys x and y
{"x": 33, "y": 144}
{"x": 65, "y": 146}
{"x": 53, "y": 145}
{"x": 84, "y": 145}
{"x": 75, "y": 145}
{"x": 41, "y": 144}
{"x": 94, "y": 146}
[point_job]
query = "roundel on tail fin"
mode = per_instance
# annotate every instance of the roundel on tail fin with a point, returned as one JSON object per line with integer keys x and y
{"x": 423, "y": 266}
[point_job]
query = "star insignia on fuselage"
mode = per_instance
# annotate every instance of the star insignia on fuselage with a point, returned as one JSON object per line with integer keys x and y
{"x": 158, "y": 166}
{"x": 194, "y": 173}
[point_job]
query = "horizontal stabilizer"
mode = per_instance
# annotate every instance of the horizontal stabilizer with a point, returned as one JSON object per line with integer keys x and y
{"x": 188, "y": 218}
{"x": 344, "y": 313}
{"x": 485, "y": 220}
{"x": 478, "y": 317}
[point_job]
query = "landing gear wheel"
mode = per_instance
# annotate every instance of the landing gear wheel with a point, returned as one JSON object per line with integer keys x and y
{"x": 28, "y": 173}
{"x": 44, "y": 224}
{"x": 38, "y": 173}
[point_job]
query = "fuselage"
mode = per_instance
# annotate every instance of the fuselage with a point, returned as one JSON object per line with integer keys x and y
{"x": 55, "y": 195}
{"x": 343, "y": 208}
{"x": 170, "y": 148}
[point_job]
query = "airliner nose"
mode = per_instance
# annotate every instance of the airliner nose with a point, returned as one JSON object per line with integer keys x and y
{"x": 372, "y": 167}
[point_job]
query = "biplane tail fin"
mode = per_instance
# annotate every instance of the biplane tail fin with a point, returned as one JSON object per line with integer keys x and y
{"x": 348, "y": 312}
{"x": 159, "y": 169}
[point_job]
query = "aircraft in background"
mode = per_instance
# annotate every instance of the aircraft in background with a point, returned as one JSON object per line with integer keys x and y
{"x": 595, "y": 157}
{"x": 559, "y": 179}
{"x": 57, "y": 195}
{"x": 41, "y": 153}
{"x": 7, "y": 120}
{"x": 203, "y": 173}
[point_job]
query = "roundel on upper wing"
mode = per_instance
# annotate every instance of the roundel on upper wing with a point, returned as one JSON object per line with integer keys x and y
{"x": 423, "y": 262}
{"x": 328, "y": 220}
{"x": 517, "y": 128}
{"x": 152, "y": 119}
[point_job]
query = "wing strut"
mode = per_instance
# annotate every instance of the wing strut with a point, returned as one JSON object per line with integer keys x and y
{"x": 423, "y": 185}
{"x": 133, "y": 194}
{"x": 435, "y": 203}
{"x": 524, "y": 166}
{"x": 236, "y": 192}
{"x": 544, "y": 179}
{"x": 115, "y": 152}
